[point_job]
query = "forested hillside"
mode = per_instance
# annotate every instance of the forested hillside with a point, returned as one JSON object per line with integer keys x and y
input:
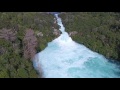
{"x": 22, "y": 35}
{"x": 99, "y": 31}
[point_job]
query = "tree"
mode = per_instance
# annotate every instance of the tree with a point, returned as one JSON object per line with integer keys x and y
{"x": 29, "y": 44}
{"x": 8, "y": 34}
{"x": 22, "y": 73}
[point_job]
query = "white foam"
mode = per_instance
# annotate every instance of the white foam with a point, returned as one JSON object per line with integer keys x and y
{"x": 64, "y": 58}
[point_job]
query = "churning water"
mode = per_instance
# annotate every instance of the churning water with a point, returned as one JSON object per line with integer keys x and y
{"x": 64, "y": 58}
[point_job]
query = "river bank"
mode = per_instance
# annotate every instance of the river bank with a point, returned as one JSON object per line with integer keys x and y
{"x": 22, "y": 34}
{"x": 99, "y": 31}
{"x": 64, "y": 58}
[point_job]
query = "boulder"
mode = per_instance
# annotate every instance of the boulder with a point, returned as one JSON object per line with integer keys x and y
{"x": 56, "y": 32}
{"x": 73, "y": 33}
{"x": 40, "y": 34}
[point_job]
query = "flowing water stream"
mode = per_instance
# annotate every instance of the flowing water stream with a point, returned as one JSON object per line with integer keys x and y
{"x": 64, "y": 58}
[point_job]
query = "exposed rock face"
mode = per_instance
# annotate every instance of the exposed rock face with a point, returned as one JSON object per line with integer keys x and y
{"x": 40, "y": 34}
{"x": 56, "y": 32}
{"x": 73, "y": 33}
{"x": 55, "y": 21}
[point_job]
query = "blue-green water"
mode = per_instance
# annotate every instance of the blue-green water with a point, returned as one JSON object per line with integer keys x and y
{"x": 64, "y": 58}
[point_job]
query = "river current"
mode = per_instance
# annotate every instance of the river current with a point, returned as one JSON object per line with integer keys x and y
{"x": 64, "y": 58}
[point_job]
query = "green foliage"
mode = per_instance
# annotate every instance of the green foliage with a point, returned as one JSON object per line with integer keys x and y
{"x": 4, "y": 73}
{"x": 99, "y": 31}
{"x": 22, "y": 73}
{"x": 12, "y": 62}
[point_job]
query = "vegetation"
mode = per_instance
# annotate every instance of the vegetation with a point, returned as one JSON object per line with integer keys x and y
{"x": 99, "y": 31}
{"x": 19, "y": 41}
{"x": 23, "y": 34}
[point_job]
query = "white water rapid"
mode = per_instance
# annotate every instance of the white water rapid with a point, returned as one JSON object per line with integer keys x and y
{"x": 64, "y": 58}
